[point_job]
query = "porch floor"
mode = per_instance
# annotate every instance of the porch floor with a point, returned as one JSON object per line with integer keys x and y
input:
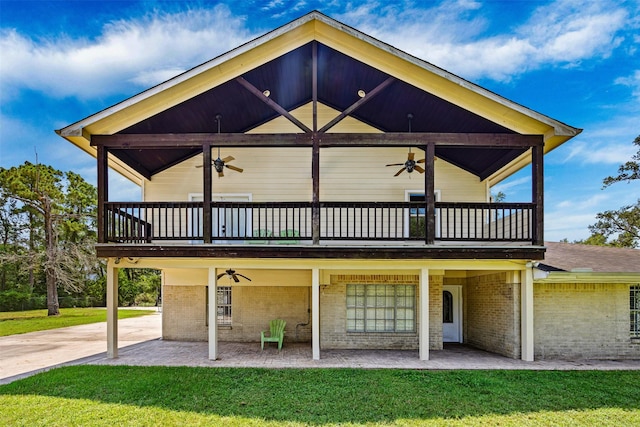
{"x": 299, "y": 355}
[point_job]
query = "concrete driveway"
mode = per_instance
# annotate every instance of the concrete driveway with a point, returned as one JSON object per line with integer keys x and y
{"x": 25, "y": 354}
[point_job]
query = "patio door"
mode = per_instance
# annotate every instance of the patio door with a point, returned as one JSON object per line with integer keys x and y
{"x": 451, "y": 314}
{"x": 228, "y": 222}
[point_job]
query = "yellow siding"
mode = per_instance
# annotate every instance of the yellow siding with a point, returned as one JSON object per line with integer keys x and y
{"x": 284, "y": 174}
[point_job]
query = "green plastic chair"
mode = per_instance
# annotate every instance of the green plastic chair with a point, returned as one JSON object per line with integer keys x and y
{"x": 289, "y": 233}
{"x": 261, "y": 233}
{"x": 276, "y": 333}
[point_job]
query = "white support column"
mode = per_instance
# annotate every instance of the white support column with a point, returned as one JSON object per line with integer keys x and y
{"x": 423, "y": 333}
{"x": 112, "y": 309}
{"x": 526, "y": 315}
{"x": 315, "y": 313}
{"x": 213, "y": 314}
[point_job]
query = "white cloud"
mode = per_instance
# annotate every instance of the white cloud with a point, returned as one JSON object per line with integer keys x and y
{"x": 452, "y": 35}
{"x": 632, "y": 81}
{"x": 600, "y": 152}
{"x": 142, "y": 51}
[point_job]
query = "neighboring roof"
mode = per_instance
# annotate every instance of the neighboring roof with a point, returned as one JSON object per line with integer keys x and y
{"x": 573, "y": 263}
{"x": 348, "y": 61}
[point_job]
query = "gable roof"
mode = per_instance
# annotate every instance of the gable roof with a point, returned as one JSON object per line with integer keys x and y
{"x": 347, "y": 61}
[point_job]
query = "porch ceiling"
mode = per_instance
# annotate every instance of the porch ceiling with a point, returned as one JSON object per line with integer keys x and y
{"x": 289, "y": 79}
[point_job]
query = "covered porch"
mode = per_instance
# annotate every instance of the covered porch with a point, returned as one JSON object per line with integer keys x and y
{"x": 329, "y": 299}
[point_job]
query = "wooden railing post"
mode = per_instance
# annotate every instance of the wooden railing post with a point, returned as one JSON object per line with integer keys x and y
{"x": 537, "y": 170}
{"x": 207, "y": 225}
{"x": 103, "y": 191}
{"x": 429, "y": 193}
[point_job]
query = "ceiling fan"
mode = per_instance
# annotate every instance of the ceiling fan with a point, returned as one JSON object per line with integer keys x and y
{"x": 231, "y": 273}
{"x": 219, "y": 164}
{"x": 410, "y": 165}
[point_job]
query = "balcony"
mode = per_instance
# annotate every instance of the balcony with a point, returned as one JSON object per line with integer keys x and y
{"x": 298, "y": 223}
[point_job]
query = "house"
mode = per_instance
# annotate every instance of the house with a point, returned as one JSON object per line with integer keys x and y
{"x": 587, "y": 302}
{"x": 321, "y": 176}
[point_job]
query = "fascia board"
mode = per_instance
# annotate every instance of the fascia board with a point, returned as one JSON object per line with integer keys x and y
{"x": 587, "y": 277}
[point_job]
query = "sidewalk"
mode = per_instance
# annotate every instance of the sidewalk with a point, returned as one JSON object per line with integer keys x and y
{"x": 25, "y": 354}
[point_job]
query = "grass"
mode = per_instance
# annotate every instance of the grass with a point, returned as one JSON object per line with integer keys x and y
{"x": 21, "y": 322}
{"x": 149, "y": 396}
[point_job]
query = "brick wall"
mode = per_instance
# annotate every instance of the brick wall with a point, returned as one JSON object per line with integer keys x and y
{"x": 333, "y": 316}
{"x": 492, "y": 314}
{"x": 254, "y": 306}
{"x": 184, "y": 313}
{"x": 574, "y": 321}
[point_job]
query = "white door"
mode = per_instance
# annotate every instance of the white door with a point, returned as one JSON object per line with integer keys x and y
{"x": 451, "y": 314}
{"x": 228, "y": 222}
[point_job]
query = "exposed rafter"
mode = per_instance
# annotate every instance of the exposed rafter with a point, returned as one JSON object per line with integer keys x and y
{"x": 271, "y": 103}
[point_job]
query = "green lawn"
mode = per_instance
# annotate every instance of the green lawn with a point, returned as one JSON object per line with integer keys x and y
{"x": 20, "y": 322}
{"x": 150, "y": 396}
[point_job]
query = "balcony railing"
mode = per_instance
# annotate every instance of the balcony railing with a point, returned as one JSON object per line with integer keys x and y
{"x": 292, "y": 222}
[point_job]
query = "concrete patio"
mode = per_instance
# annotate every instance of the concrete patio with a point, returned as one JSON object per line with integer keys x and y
{"x": 299, "y": 355}
{"x": 140, "y": 345}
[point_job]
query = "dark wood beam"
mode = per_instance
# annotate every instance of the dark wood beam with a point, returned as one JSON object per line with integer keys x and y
{"x": 393, "y": 139}
{"x": 271, "y": 103}
{"x": 389, "y": 139}
{"x": 315, "y": 154}
{"x": 429, "y": 192}
{"x": 537, "y": 189}
{"x": 319, "y": 252}
{"x": 207, "y": 191}
{"x": 368, "y": 97}
{"x": 314, "y": 85}
{"x": 196, "y": 140}
{"x": 103, "y": 191}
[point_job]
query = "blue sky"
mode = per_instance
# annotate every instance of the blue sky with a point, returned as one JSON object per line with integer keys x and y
{"x": 577, "y": 61}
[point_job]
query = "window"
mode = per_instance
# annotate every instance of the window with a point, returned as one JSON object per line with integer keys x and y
{"x": 223, "y": 305}
{"x": 447, "y": 307}
{"x": 634, "y": 306}
{"x": 381, "y": 308}
{"x": 415, "y": 219}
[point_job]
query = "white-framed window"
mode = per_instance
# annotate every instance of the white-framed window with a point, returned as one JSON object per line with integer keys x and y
{"x": 381, "y": 308}
{"x": 223, "y": 306}
{"x": 634, "y": 311}
{"x": 414, "y": 219}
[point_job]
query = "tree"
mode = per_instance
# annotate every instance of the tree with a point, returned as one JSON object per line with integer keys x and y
{"x": 623, "y": 223}
{"x": 63, "y": 205}
{"x": 628, "y": 171}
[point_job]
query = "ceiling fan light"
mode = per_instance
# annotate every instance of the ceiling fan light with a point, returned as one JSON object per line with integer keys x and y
{"x": 266, "y": 92}
{"x": 361, "y": 93}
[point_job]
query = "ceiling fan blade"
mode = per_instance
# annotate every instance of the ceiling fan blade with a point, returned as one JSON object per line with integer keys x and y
{"x": 235, "y": 278}
{"x": 399, "y": 172}
{"x": 198, "y": 166}
{"x": 243, "y": 276}
{"x": 228, "y": 159}
{"x": 395, "y": 164}
{"x": 220, "y": 174}
{"x": 418, "y": 168}
{"x": 221, "y": 275}
{"x": 411, "y": 155}
{"x": 420, "y": 161}
{"x": 235, "y": 168}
